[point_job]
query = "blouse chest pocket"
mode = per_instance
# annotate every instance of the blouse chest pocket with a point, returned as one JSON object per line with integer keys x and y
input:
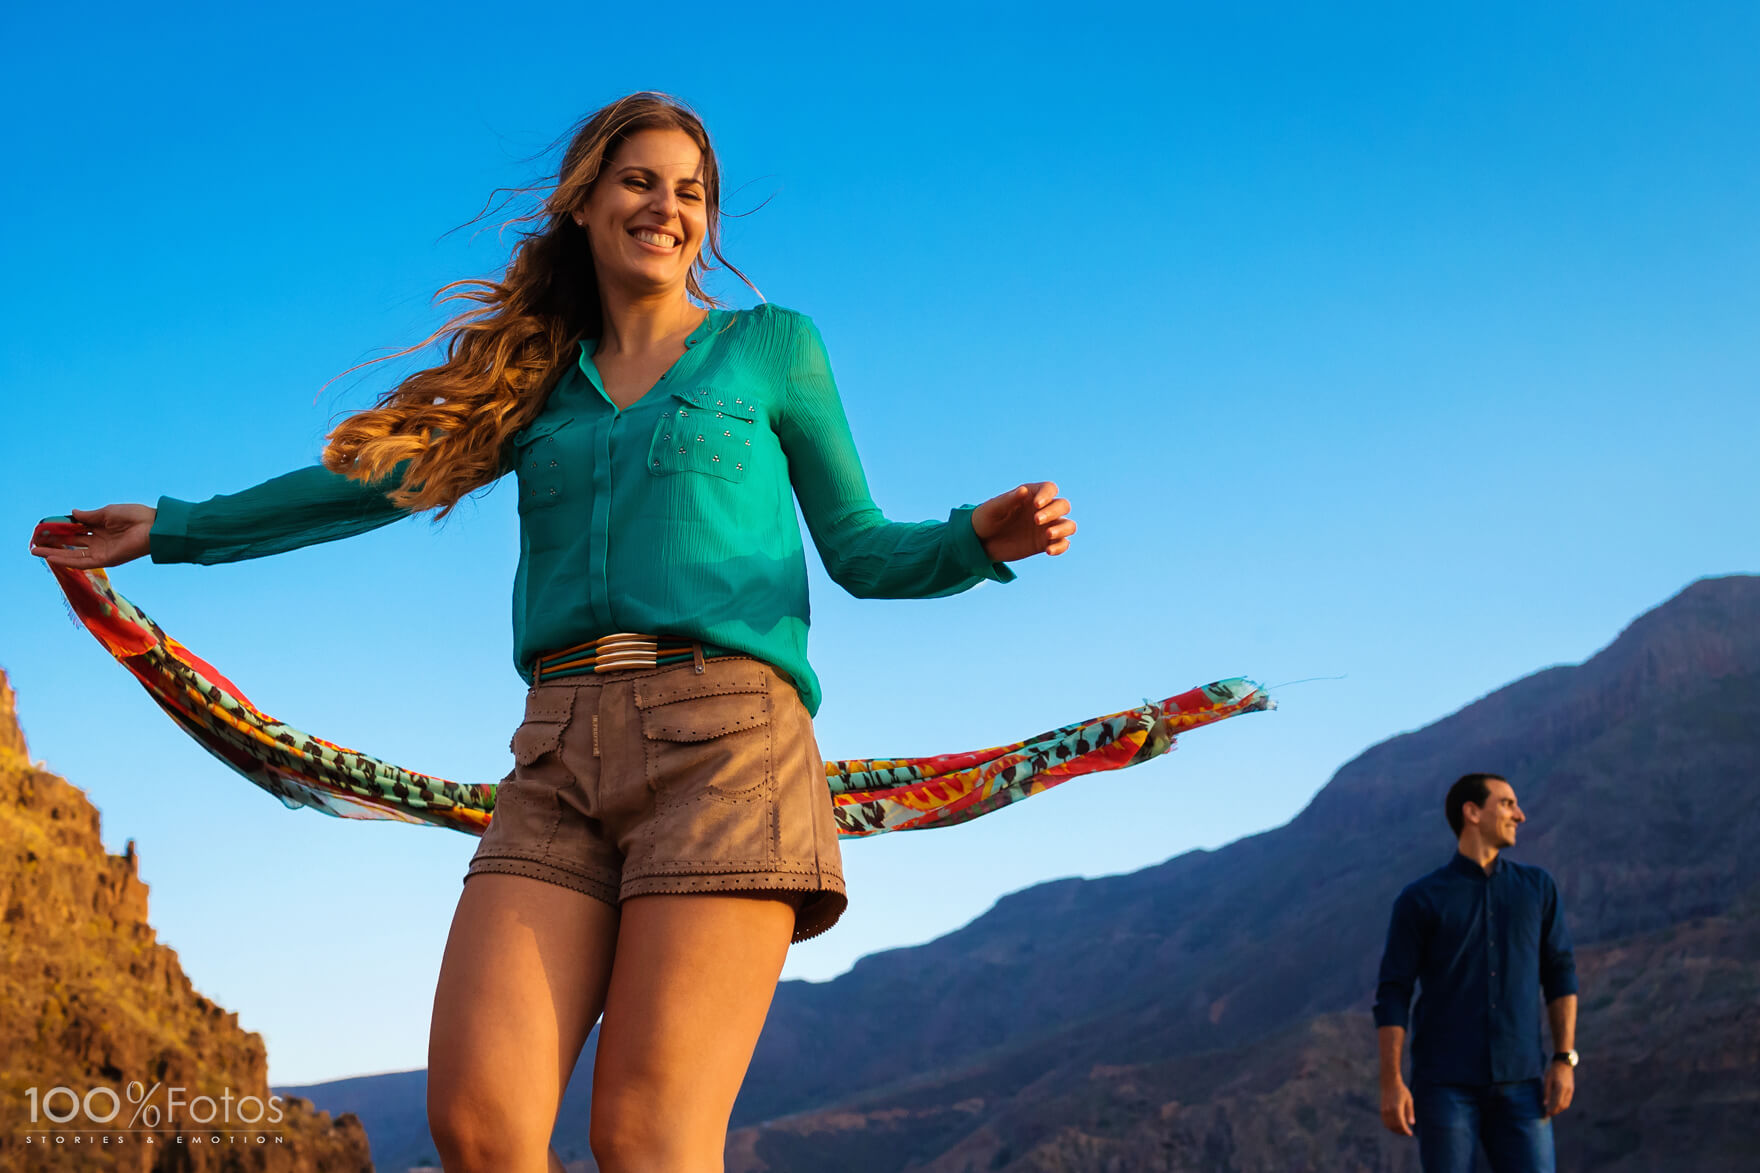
{"x": 541, "y": 467}
{"x": 704, "y": 431}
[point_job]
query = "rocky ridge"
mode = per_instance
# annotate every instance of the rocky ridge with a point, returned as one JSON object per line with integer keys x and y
{"x": 93, "y": 1000}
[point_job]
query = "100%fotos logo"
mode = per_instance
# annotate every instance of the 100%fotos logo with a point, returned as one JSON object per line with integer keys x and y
{"x": 101, "y": 1105}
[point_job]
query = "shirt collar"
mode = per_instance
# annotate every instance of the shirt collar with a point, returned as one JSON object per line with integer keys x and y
{"x": 1467, "y": 867}
{"x": 588, "y": 342}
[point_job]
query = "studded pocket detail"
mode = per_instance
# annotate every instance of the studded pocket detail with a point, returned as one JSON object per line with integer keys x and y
{"x": 540, "y": 466}
{"x": 704, "y": 431}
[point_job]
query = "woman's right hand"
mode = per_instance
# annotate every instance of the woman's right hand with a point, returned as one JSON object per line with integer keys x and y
{"x": 113, "y": 535}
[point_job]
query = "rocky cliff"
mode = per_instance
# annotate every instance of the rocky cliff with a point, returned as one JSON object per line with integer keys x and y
{"x": 91, "y": 1002}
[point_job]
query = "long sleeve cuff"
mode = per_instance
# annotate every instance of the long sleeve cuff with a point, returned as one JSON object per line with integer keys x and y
{"x": 1560, "y": 982}
{"x": 970, "y": 550}
{"x": 1392, "y": 1010}
{"x": 168, "y": 540}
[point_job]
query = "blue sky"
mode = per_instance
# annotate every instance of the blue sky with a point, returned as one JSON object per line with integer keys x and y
{"x": 1408, "y": 344}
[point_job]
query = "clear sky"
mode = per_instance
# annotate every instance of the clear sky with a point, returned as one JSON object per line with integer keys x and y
{"x": 1409, "y": 344}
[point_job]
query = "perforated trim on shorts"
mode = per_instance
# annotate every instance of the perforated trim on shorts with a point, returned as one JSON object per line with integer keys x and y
{"x": 599, "y": 889}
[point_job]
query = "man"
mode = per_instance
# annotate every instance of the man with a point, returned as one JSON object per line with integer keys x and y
{"x": 1485, "y": 937}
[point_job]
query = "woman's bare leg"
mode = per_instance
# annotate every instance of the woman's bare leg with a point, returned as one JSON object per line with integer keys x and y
{"x": 690, "y": 989}
{"x": 522, "y": 981}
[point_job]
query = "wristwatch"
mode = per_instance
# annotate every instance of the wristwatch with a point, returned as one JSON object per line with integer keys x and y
{"x": 1569, "y": 1057}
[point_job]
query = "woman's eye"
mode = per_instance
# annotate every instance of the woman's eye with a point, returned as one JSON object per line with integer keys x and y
{"x": 634, "y": 183}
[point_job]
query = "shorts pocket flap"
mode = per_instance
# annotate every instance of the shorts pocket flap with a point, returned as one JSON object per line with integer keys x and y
{"x": 549, "y": 705}
{"x": 721, "y": 679}
{"x": 533, "y": 740}
{"x": 702, "y": 724}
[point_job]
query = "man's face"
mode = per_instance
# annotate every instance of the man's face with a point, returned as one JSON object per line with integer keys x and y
{"x": 1500, "y": 816}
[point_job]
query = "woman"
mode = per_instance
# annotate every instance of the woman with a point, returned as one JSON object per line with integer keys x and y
{"x": 665, "y": 833}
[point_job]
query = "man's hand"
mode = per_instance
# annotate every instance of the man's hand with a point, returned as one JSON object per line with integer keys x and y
{"x": 1561, "y": 1085}
{"x": 1396, "y": 1107}
{"x": 1022, "y": 522}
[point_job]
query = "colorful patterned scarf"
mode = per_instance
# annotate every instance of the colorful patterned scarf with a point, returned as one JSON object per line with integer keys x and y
{"x": 868, "y": 796}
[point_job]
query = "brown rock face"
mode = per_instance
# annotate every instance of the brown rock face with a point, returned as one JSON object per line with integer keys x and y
{"x": 90, "y": 1001}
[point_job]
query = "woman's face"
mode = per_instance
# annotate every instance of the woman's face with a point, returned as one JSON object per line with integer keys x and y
{"x": 647, "y": 213}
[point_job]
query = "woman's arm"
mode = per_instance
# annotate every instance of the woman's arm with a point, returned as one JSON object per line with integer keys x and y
{"x": 867, "y": 555}
{"x": 283, "y": 513}
{"x": 299, "y": 508}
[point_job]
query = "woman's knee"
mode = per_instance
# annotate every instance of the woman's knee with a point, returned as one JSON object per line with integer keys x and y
{"x": 475, "y": 1135}
{"x": 631, "y": 1134}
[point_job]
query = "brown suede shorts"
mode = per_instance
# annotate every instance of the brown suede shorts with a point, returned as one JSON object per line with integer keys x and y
{"x": 670, "y": 780}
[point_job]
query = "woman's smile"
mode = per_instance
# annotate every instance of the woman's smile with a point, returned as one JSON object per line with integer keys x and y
{"x": 656, "y": 239}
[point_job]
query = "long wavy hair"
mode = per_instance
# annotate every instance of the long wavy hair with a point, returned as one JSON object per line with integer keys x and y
{"x": 451, "y": 422}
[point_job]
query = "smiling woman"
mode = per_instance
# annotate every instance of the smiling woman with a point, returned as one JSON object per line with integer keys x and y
{"x": 642, "y": 166}
{"x": 667, "y": 830}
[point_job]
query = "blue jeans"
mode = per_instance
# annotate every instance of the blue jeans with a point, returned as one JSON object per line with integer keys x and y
{"x": 1509, "y": 1118}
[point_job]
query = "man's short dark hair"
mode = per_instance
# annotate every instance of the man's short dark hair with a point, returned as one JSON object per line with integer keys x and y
{"x": 1468, "y": 788}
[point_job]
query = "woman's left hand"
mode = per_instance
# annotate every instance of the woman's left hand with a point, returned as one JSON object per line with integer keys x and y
{"x": 1023, "y": 522}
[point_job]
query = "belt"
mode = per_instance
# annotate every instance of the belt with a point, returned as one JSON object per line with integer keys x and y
{"x": 619, "y": 652}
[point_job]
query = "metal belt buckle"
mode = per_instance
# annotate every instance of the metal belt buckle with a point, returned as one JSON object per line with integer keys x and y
{"x": 626, "y": 649}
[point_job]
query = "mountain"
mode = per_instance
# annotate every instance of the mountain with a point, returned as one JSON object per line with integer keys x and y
{"x": 1672, "y": 1082}
{"x": 1211, "y": 1013}
{"x": 92, "y": 1001}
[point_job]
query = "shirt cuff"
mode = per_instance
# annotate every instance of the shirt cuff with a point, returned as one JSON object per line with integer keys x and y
{"x": 1393, "y": 1011}
{"x": 971, "y": 550}
{"x": 168, "y": 540}
{"x": 1561, "y": 985}
{"x": 1392, "y": 1014}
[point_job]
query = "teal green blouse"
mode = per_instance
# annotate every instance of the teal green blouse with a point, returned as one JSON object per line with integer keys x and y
{"x": 674, "y": 515}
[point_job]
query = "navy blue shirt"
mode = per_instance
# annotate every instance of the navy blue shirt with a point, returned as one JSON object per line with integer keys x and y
{"x": 1484, "y": 947}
